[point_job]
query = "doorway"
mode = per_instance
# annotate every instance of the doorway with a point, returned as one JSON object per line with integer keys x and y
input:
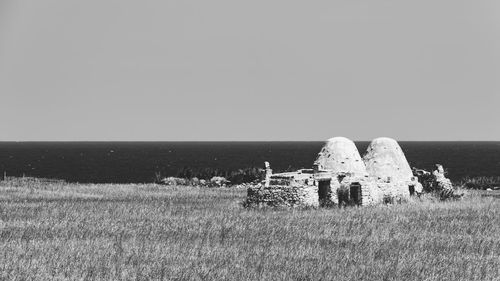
{"x": 411, "y": 188}
{"x": 355, "y": 192}
{"x": 324, "y": 192}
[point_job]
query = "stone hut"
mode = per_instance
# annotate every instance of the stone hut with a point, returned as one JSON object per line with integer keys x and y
{"x": 340, "y": 176}
{"x": 337, "y": 165}
{"x": 387, "y": 166}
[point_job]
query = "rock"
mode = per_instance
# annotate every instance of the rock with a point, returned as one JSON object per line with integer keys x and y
{"x": 419, "y": 188}
{"x": 219, "y": 181}
{"x": 441, "y": 180}
{"x": 420, "y": 172}
{"x": 195, "y": 181}
{"x": 443, "y": 185}
{"x": 174, "y": 181}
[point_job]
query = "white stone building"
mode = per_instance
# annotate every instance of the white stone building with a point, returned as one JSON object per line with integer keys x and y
{"x": 340, "y": 176}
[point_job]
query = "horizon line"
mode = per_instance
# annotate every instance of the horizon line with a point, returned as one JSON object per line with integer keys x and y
{"x": 194, "y": 141}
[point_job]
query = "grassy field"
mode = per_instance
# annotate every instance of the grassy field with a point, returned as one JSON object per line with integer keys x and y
{"x": 57, "y": 231}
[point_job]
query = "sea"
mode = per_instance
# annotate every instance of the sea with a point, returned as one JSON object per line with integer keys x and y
{"x": 139, "y": 162}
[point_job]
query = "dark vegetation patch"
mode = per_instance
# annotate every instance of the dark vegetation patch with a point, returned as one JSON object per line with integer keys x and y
{"x": 482, "y": 183}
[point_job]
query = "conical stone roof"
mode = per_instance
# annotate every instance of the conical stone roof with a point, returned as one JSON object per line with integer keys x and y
{"x": 340, "y": 155}
{"x": 385, "y": 158}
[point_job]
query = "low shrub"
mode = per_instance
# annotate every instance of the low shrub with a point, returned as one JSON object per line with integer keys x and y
{"x": 197, "y": 176}
{"x": 481, "y": 182}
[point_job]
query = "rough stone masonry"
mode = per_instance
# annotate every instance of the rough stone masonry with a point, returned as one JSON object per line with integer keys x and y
{"x": 340, "y": 176}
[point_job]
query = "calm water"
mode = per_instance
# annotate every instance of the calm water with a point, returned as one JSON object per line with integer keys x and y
{"x": 122, "y": 162}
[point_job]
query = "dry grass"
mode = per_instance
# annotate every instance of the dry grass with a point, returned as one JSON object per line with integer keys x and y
{"x": 53, "y": 231}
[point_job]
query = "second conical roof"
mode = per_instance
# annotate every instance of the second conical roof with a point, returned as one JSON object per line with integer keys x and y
{"x": 385, "y": 158}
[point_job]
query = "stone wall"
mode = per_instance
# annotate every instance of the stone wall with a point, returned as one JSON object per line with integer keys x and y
{"x": 334, "y": 191}
{"x": 370, "y": 193}
{"x": 373, "y": 191}
{"x": 393, "y": 192}
{"x": 292, "y": 194}
{"x": 283, "y": 195}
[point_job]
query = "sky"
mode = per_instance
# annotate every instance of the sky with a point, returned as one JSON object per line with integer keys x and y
{"x": 260, "y": 70}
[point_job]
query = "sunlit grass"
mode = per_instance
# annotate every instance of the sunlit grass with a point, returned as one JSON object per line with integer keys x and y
{"x": 152, "y": 232}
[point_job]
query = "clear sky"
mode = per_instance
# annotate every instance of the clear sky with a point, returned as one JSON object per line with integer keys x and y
{"x": 249, "y": 70}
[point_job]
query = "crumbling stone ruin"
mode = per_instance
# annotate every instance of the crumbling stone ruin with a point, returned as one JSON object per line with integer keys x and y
{"x": 285, "y": 189}
{"x": 441, "y": 181}
{"x": 341, "y": 177}
{"x": 436, "y": 182}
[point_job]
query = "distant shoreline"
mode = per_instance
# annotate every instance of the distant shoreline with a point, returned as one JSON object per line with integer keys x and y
{"x": 138, "y": 162}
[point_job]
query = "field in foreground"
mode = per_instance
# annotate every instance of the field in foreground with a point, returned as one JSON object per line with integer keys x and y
{"x": 151, "y": 232}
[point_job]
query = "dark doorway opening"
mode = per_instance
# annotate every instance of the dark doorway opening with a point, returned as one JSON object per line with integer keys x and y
{"x": 355, "y": 192}
{"x": 324, "y": 192}
{"x": 343, "y": 195}
{"x": 411, "y": 188}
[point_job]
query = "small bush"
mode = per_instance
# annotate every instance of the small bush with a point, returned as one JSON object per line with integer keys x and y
{"x": 482, "y": 182}
{"x": 235, "y": 177}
